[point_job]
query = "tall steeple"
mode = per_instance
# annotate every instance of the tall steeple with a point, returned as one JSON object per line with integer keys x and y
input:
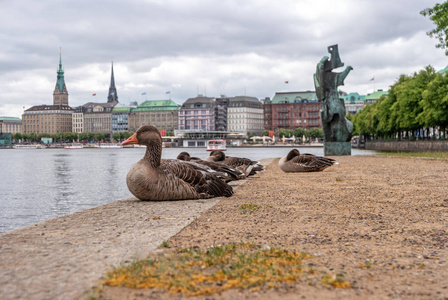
{"x": 60, "y": 94}
{"x": 113, "y": 97}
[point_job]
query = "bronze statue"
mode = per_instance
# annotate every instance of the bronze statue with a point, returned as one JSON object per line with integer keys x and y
{"x": 336, "y": 128}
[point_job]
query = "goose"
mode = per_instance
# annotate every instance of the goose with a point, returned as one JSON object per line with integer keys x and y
{"x": 217, "y": 166}
{"x": 156, "y": 179}
{"x": 296, "y": 162}
{"x": 245, "y": 165}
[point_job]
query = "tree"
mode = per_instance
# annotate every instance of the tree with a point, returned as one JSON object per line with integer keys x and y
{"x": 316, "y": 133}
{"x": 435, "y": 103}
{"x": 17, "y": 136}
{"x": 439, "y": 15}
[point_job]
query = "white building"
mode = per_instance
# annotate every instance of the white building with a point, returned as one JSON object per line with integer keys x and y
{"x": 245, "y": 115}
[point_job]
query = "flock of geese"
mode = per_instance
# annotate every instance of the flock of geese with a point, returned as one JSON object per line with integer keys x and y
{"x": 157, "y": 179}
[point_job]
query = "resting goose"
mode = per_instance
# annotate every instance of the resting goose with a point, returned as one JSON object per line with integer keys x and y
{"x": 217, "y": 166}
{"x": 296, "y": 162}
{"x": 245, "y": 165}
{"x": 153, "y": 178}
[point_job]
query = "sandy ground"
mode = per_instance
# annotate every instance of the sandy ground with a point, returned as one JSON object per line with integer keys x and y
{"x": 390, "y": 214}
{"x": 381, "y": 222}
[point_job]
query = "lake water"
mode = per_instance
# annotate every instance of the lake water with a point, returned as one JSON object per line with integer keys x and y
{"x": 40, "y": 184}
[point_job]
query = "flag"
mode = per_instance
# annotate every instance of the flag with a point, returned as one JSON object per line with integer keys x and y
{"x": 286, "y": 82}
{"x": 144, "y": 93}
{"x": 271, "y": 133}
{"x": 373, "y": 78}
{"x": 94, "y": 94}
{"x": 162, "y": 132}
{"x": 168, "y": 92}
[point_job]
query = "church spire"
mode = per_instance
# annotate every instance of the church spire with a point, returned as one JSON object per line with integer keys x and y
{"x": 60, "y": 94}
{"x": 113, "y": 97}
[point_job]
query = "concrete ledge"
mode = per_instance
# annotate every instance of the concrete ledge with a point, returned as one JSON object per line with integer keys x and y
{"x": 408, "y": 146}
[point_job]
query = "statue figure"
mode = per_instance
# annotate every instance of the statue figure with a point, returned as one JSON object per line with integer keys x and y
{"x": 336, "y": 127}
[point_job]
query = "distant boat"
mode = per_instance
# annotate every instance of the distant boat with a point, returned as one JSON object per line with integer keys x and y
{"x": 108, "y": 146}
{"x": 216, "y": 144}
{"x": 74, "y": 146}
{"x": 38, "y": 146}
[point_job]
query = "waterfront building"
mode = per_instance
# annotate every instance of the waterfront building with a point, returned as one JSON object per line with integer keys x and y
{"x": 245, "y": 115}
{"x": 11, "y": 125}
{"x": 161, "y": 113}
{"x": 78, "y": 121}
{"x": 120, "y": 119}
{"x": 51, "y": 119}
{"x": 373, "y": 97}
{"x": 354, "y": 102}
{"x": 97, "y": 117}
{"x": 203, "y": 113}
{"x": 290, "y": 110}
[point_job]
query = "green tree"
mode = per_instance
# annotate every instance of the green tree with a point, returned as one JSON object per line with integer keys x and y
{"x": 315, "y": 133}
{"x": 17, "y": 136}
{"x": 299, "y": 132}
{"x": 435, "y": 103}
{"x": 439, "y": 15}
{"x": 99, "y": 136}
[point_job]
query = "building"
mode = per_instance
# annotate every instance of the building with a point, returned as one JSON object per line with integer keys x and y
{"x": 78, "y": 121}
{"x": 354, "y": 102}
{"x": 373, "y": 97}
{"x": 97, "y": 117}
{"x": 11, "y": 125}
{"x": 50, "y": 119}
{"x": 202, "y": 113}
{"x": 161, "y": 113}
{"x": 290, "y": 110}
{"x": 120, "y": 119}
{"x": 245, "y": 115}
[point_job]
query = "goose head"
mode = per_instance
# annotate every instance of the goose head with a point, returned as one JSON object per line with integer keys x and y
{"x": 216, "y": 155}
{"x": 293, "y": 153}
{"x": 147, "y": 135}
{"x": 184, "y": 156}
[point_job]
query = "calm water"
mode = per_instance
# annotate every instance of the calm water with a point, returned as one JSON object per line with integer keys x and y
{"x": 40, "y": 184}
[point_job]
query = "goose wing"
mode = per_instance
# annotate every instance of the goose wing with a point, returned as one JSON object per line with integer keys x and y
{"x": 309, "y": 162}
{"x": 202, "y": 179}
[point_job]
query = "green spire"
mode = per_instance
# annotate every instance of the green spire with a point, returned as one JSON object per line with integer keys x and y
{"x": 60, "y": 82}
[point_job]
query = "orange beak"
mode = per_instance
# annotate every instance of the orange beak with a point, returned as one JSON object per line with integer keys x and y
{"x": 131, "y": 140}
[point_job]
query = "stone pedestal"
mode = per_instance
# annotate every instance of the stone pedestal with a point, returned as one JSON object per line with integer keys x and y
{"x": 337, "y": 148}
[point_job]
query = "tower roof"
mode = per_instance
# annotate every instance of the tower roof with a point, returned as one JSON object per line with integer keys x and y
{"x": 112, "y": 97}
{"x": 60, "y": 81}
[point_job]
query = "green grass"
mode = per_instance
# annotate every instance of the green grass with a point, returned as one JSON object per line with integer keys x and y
{"x": 211, "y": 271}
{"x": 249, "y": 208}
{"x": 428, "y": 154}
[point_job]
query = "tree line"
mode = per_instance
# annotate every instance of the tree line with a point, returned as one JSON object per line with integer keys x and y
{"x": 414, "y": 105}
{"x": 69, "y": 137}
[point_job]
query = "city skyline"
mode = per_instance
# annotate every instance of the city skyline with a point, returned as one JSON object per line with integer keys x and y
{"x": 209, "y": 48}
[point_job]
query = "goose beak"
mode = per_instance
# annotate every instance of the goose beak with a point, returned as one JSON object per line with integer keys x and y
{"x": 131, "y": 140}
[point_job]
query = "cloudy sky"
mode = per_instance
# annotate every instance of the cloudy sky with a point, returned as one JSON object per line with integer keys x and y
{"x": 211, "y": 47}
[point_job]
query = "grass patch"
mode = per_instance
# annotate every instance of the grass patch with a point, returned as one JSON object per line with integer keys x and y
{"x": 417, "y": 154}
{"x": 211, "y": 271}
{"x": 249, "y": 208}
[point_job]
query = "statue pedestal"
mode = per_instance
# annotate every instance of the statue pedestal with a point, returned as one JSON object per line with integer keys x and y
{"x": 337, "y": 148}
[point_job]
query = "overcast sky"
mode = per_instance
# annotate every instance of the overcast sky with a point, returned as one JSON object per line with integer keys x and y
{"x": 211, "y": 47}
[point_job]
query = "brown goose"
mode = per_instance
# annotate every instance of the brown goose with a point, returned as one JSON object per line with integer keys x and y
{"x": 153, "y": 178}
{"x": 217, "y": 166}
{"x": 296, "y": 162}
{"x": 245, "y": 165}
